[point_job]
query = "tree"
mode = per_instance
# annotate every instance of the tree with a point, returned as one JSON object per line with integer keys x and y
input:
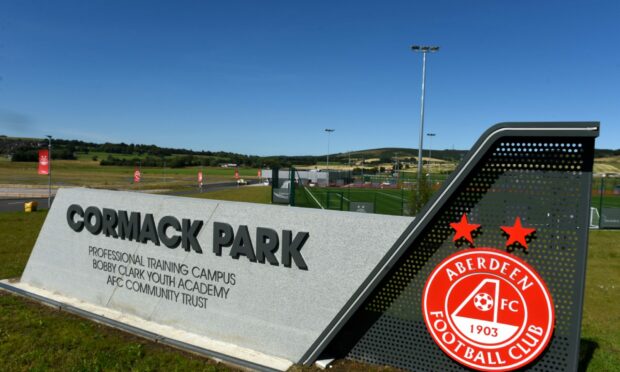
{"x": 421, "y": 197}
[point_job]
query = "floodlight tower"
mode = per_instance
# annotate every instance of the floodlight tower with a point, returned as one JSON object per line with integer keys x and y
{"x": 329, "y": 132}
{"x": 424, "y": 50}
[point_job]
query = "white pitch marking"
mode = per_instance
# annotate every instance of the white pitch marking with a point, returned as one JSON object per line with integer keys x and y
{"x": 308, "y": 191}
{"x": 391, "y": 196}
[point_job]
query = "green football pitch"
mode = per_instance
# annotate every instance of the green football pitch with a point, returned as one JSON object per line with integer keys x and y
{"x": 384, "y": 201}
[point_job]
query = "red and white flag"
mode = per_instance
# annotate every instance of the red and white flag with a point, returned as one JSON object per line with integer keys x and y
{"x": 44, "y": 162}
{"x": 136, "y": 175}
{"x": 236, "y": 173}
{"x": 200, "y": 178}
{"x": 259, "y": 173}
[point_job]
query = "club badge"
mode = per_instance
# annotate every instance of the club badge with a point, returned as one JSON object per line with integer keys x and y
{"x": 488, "y": 309}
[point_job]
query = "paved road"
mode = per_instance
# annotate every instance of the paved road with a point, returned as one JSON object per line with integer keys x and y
{"x": 210, "y": 187}
{"x": 24, "y": 192}
{"x": 13, "y": 204}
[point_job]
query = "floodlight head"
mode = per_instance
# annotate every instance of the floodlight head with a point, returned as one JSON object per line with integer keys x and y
{"x": 424, "y": 48}
{"x": 329, "y": 130}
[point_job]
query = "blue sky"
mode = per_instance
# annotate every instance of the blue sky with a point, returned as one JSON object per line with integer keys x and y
{"x": 266, "y": 77}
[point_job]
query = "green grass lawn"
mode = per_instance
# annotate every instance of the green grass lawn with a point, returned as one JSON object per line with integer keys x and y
{"x": 601, "y": 316}
{"x": 251, "y": 194}
{"x": 36, "y": 338}
{"x": 90, "y": 174}
{"x": 18, "y": 233}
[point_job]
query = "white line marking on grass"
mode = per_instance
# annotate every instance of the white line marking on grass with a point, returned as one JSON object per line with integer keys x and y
{"x": 308, "y": 191}
{"x": 391, "y": 196}
{"x": 342, "y": 196}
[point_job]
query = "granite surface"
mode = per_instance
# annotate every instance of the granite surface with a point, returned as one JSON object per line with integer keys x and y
{"x": 275, "y": 310}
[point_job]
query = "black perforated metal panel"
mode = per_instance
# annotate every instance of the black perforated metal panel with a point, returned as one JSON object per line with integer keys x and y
{"x": 545, "y": 181}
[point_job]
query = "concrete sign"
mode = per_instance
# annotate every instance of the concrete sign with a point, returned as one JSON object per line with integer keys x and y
{"x": 238, "y": 273}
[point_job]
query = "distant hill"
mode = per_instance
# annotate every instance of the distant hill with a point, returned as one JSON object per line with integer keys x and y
{"x": 25, "y": 149}
{"x": 401, "y": 152}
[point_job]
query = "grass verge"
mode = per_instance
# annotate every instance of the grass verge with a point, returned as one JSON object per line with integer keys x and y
{"x": 90, "y": 174}
{"x": 251, "y": 194}
{"x": 36, "y": 338}
{"x": 18, "y": 233}
{"x": 600, "y": 330}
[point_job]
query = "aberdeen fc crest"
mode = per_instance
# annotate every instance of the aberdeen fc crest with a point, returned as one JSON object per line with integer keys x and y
{"x": 488, "y": 309}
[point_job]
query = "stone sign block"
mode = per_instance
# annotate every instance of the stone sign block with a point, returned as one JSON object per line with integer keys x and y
{"x": 262, "y": 277}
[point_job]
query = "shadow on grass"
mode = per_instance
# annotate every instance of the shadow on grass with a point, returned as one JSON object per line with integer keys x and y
{"x": 586, "y": 352}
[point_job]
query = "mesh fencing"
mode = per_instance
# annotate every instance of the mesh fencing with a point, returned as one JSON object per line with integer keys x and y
{"x": 356, "y": 193}
{"x": 605, "y": 212}
{"x": 394, "y": 194}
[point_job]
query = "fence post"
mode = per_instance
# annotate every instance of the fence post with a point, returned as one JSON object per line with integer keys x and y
{"x": 341, "y": 200}
{"x": 275, "y": 180}
{"x": 291, "y": 195}
{"x": 327, "y": 201}
{"x": 374, "y": 202}
{"x": 600, "y": 200}
{"x": 402, "y": 201}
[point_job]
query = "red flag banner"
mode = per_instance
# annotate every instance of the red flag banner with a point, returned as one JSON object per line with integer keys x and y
{"x": 237, "y": 173}
{"x": 136, "y": 175}
{"x": 259, "y": 174}
{"x": 200, "y": 178}
{"x": 44, "y": 162}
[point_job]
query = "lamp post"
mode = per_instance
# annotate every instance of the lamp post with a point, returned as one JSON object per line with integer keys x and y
{"x": 600, "y": 200}
{"x": 397, "y": 169}
{"x": 430, "y": 152}
{"x": 329, "y": 131}
{"x": 424, "y": 50}
{"x": 49, "y": 172}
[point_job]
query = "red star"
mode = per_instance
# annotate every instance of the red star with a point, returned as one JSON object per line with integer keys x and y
{"x": 517, "y": 233}
{"x": 464, "y": 229}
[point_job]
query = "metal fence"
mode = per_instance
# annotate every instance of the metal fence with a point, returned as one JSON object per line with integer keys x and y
{"x": 393, "y": 194}
{"x": 605, "y": 203}
{"x": 378, "y": 193}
